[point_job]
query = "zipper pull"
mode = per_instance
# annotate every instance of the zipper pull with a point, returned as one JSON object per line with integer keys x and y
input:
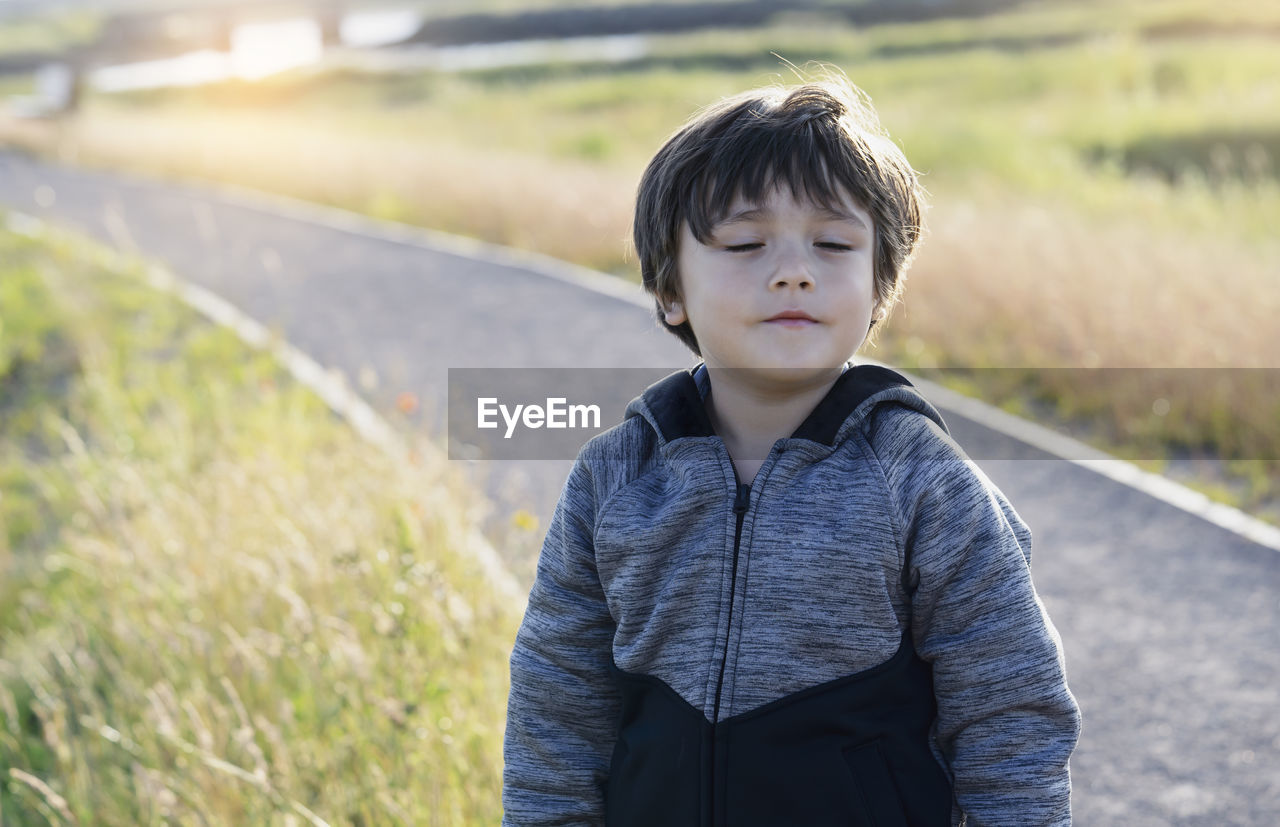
{"x": 743, "y": 498}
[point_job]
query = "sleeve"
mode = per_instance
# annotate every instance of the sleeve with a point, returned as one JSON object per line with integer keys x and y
{"x": 1007, "y": 723}
{"x": 563, "y": 705}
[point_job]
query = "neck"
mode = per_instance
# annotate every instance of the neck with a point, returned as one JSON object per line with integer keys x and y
{"x": 750, "y": 414}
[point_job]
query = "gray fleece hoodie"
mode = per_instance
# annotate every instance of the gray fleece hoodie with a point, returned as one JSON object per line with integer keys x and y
{"x": 672, "y": 610}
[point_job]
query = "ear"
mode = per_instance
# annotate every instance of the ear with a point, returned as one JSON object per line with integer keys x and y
{"x": 674, "y": 314}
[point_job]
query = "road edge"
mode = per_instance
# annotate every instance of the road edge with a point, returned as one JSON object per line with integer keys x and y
{"x": 331, "y": 385}
{"x": 1037, "y": 436}
{"x": 1099, "y": 462}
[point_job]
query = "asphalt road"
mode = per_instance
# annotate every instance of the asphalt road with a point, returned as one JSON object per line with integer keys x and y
{"x": 1169, "y": 622}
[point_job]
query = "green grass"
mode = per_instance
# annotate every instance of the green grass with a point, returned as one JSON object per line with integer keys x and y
{"x": 49, "y": 33}
{"x": 216, "y": 604}
{"x": 1070, "y": 100}
{"x": 16, "y": 85}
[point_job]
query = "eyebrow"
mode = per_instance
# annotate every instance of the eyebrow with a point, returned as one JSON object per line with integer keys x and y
{"x": 756, "y": 213}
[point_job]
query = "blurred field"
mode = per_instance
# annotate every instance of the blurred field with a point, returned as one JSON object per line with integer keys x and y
{"x": 49, "y": 34}
{"x": 1105, "y": 181}
{"x": 216, "y": 604}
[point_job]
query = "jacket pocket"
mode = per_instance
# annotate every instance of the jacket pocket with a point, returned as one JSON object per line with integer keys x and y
{"x": 874, "y": 786}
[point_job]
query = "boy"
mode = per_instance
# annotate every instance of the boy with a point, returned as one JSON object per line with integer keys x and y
{"x": 778, "y": 593}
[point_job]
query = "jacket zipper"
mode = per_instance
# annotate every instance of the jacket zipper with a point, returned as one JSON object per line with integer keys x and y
{"x": 742, "y": 500}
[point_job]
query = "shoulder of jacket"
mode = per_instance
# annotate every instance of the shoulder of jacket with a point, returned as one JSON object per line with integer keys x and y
{"x": 620, "y": 455}
{"x": 920, "y": 460}
{"x": 897, "y": 432}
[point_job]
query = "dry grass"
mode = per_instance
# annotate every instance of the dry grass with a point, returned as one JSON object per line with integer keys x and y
{"x": 1004, "y": 280}
{"x": 569, "y": 209}
{"x": 1152, "y": 345}
{"x": 1000, "y": 281}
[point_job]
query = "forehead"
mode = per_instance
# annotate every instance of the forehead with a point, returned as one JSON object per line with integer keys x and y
{"x": 781, "y": 201}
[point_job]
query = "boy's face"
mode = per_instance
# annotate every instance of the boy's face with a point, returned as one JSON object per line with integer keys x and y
{"x": 768, "y": 258}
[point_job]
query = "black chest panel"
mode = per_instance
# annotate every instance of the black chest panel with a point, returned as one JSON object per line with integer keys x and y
{"x": 853, "y": 751}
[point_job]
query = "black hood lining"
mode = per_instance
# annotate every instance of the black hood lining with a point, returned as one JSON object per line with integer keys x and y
{"x": 677, "y": 404}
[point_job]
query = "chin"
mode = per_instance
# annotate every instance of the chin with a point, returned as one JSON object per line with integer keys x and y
{"x": 789, "y": 374}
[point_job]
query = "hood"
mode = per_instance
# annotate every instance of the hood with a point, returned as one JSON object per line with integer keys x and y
{"x": 673, "y": 406}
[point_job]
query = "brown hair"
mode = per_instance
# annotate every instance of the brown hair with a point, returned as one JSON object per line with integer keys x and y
{"x": 818, "y": 137}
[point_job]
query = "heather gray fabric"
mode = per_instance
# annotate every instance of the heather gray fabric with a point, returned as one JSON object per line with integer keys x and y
{"x": 636, "y": 566}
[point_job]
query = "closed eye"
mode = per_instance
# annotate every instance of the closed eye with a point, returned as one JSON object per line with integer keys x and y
{"x": 743, "y": 248}
{"x": 831, "y": 245}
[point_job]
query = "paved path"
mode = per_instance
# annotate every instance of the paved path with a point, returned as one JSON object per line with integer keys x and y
{"x": 1169, "y": 623}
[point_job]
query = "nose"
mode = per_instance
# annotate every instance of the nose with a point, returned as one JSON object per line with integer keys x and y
{"x": 792, "y": 270}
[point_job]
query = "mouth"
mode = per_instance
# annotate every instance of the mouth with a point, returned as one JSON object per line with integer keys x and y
{"x": 792, "y": 318}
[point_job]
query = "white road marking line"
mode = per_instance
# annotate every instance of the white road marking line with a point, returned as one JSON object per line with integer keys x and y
{"x": 329, "y": 384}
{"x": 1125, "y": 473}
{"x": 1099, "y": 462}
{"x": 118, "y": 228}
{"x": 1037, "y": 436}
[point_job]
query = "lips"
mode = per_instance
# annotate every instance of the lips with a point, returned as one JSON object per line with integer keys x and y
{"x": 792, "y": 318}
